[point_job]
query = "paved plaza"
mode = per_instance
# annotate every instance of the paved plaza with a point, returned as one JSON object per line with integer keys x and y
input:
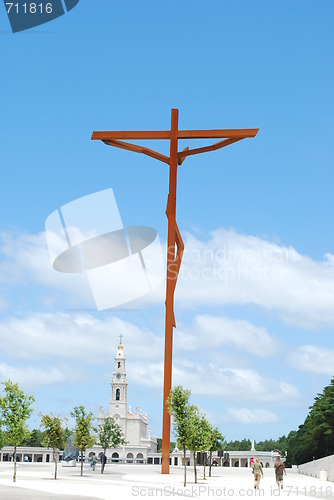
{"x": 34, "y": 481}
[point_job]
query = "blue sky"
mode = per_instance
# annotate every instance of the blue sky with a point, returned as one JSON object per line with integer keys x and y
{"x": 254, "y": 342}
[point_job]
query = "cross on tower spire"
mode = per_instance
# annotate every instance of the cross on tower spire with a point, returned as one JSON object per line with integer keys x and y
{"x": 120, "y": 339}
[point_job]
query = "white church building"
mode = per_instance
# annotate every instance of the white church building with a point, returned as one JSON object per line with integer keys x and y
{"x": 139, "y": 442}
{"x": 140, "y": 446}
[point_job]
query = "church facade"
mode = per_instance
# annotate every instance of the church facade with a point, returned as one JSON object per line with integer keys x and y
{"x": 140, "y": 446}
{"x": 139, "y": 442}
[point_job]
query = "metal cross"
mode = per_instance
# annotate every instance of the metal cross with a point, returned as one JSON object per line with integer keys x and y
{"x": 175, "y": 245}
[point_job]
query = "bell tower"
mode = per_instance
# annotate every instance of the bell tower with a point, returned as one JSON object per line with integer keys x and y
{"x": 119, "y": 385}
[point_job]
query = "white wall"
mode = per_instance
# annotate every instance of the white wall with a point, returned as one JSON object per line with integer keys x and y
{"x": 133, "y": 432}
{"x": 313, "y": 468}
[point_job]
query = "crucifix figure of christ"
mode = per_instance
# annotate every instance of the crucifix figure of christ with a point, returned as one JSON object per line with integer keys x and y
{"x": 175, "y": 245}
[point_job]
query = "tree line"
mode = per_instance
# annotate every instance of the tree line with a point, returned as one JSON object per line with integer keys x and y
{"x": 315, "y": 437}
{"x": 267, "y": 445}
{"x": 16, "y": 408}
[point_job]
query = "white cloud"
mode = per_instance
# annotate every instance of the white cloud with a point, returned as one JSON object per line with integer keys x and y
{"x": 149, "y": 374}
{"x": 79, "y": 340}
{"x": 25, "y": 261}
{"x": 79, "y": 337}
{"x": 313, "y": 359}
{"x": 223, "y": 383}
{"x": 249, "y": 416}
{"x": 31, "y": 376}
{"x": 330, "y": 258}
{"x": 233, "y": 384}
{"x": 227, "y": 268}
{"x": 231, "y": 268}
{"x": 217, "y": 331}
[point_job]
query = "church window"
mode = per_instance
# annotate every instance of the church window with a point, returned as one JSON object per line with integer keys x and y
{"x": 118, "y": 394}
{"x": 118, "y": 364}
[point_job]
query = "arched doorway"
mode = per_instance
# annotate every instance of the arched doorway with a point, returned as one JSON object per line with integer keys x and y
{"x": 140, "y": 458}
{"x": 129, "y": 457}
{"x": 115, "y": 457}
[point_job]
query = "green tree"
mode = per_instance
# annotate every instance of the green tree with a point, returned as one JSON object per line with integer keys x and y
{"x": 33, "y": 438}
{"x": 2, "y": 440}
{"x": 273, "y": 444}
{"x": 54, "y": 436}
{"x": 83, "y": 438}
{"x": 15, "y": 411}
{"x": 181, "y": 411}
{"x": 244, "y": 445}
{"x": 315, "y": 437}
{"x": 199, "y": 437}
{"x": 291, "y": 447}
{"x": 68, "y": 433}
{"x": 109, "y": 435}
{"x": 216, "y": 443}
{"x": 159, "y": 444}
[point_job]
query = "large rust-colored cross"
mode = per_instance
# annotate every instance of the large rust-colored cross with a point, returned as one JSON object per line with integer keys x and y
{"x": 175, "y": 245}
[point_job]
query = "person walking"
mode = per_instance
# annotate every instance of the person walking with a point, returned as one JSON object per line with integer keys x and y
{"x": 279, "y": 470}
{"x": 94, "y": 460}
{"x": 258, "y": 472}
{"x": 103, "y": 462}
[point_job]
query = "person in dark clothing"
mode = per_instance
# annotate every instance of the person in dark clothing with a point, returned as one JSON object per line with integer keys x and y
{"x": 279, "y": 470}
{"x": 103, "y": 461}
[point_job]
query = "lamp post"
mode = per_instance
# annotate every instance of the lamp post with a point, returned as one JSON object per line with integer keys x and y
{"x": 175, "y": 245}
